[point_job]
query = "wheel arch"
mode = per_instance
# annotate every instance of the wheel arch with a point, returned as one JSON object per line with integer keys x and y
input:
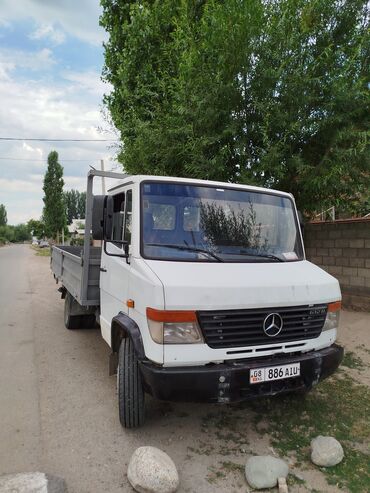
{"x": 123, "y": 326}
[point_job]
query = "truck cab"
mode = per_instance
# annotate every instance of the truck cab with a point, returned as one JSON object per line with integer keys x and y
{"x": 205, "y": 293}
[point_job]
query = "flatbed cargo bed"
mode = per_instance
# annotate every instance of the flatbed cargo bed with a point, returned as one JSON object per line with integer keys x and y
{"x": 80, "y": 278}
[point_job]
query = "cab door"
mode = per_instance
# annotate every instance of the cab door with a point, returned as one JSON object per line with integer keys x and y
{"x": 115, "y": 270}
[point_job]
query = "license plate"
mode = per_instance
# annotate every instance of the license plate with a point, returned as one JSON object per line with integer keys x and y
{"x": 271, "y": 373}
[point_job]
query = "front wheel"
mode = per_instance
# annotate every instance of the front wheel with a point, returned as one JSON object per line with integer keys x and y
{"x": 131, "y": 402}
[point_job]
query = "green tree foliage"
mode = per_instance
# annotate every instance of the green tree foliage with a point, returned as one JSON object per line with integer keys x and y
{"x": 6, "y": 234}
{"x": 36, "y": 228}
{"x": 14, "y": 234}
{"x": 21, "y": 233}
{"x": 54, "y": 210}
{"x": 273, "y": 93}
{"x": 81, "y": 204}
{"x": 3, "y": 215}
{"x": 75, "y": 203}
{"x": 232, "y": 227}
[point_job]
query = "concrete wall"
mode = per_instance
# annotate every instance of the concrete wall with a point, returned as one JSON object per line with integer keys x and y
{"x": 342, "y": 248}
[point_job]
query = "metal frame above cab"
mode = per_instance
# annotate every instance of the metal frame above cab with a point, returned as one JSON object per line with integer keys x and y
{"x": 88, "y": 224}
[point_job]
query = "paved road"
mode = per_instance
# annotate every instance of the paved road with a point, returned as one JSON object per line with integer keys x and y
{"x": 57, "y": 402}
{"x": 19, "y": 396}
{"x": 58, "y": 410}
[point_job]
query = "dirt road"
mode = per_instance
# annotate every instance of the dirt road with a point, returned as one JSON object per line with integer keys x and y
{"x": 58, "y": 409}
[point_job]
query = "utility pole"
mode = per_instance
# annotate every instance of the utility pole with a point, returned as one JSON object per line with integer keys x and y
{"x": 103, "y": 179}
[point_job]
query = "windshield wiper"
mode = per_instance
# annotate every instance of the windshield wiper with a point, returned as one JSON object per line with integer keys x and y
{"x": 188, "y": 249}
{"x": 267, "y": 255}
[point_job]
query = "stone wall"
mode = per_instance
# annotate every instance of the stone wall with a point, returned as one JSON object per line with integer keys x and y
{"x": 342, "y": 248}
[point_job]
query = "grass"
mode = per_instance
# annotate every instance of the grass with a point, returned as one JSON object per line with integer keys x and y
{"x": 223, "y": 470}
{"x": 350, "y": 360}
{"x": 41, "y": 252}
{"x": 339, "y": 408}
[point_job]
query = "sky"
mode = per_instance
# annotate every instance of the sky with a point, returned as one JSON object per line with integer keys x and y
{"x": 51, "y": 57}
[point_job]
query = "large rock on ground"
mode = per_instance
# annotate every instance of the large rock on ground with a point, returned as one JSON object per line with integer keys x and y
{"x": 326, "y": 451}
{"x": 152, "y": 471}
{"x": 31, "y": 482}
{"x": 263, "y": 471}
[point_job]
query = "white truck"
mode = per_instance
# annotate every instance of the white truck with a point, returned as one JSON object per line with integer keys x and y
{"x": 201, "y": 290}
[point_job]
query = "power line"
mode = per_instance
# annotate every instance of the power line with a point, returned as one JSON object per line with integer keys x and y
{"x": 57, "y": 140}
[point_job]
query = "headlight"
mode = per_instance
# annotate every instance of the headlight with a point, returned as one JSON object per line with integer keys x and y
{"x": 173, "y": 327}
{"x": 332, "y": 316}
{"x": 181, "y": 333}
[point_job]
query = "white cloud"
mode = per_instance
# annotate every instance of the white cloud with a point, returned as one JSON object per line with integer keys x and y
{"x": 14, "y": 185}
{"x": 23, "y": 209}
{"x": 40, "y": 109}
{"x": 43, "y": 110}
{"x": 4, "y": 23}
{"x": 5, "y": 68}
{"x": 45, "y": 99}
{"x": 76, "y": 182}
{"x": 33, "y": 60}
{"x": 32, "y": 152}
{"x": 89, "y": 81}
{"x": 47, "y": 31}
{"x": 79, "y": 19}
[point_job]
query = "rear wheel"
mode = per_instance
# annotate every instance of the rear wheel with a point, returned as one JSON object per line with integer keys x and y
{"x": 70, "y": 321}
{"x": 131, "y": 402}
{"x": 73, "y": 322}
{"x": 87, "y": 321}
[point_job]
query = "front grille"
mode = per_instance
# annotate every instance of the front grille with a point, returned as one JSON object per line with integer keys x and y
{"x": 234, "y": 328}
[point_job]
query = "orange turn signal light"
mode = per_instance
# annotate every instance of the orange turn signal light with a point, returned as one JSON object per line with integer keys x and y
{"x": 335, "y": 306}
{"x": 171, "y": 315}
{"x": 130, "y": 303}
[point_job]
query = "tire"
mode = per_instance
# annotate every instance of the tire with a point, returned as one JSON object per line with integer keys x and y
{"x": 131, "y": 401}
{"x": 71, "y": 322}
{"x": 87, "y": 321}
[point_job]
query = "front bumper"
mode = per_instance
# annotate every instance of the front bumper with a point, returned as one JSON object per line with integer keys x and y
{"x": 229, "y": 381}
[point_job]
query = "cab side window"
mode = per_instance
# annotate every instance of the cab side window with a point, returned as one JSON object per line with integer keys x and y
{"x": 122, "y": 217}
{"x": 118, "y": 216}
{"x": 128, "y": 217}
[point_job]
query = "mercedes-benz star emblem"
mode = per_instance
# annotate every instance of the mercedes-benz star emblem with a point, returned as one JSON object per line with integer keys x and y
{"x": 272, "y": 324}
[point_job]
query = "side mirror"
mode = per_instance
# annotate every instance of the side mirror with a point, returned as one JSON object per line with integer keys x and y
{"x": 102, "y": 217}
{"x": 108, "y": 217}
{"x": 97, "y": 226}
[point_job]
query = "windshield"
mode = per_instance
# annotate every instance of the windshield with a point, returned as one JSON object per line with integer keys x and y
{"x": 204, "y": 223}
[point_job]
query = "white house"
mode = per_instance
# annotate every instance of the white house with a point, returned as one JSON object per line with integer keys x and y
{"x": 77, "y": 228}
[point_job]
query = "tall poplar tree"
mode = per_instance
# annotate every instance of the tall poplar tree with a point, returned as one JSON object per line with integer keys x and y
{"x": 54, "y": 208}
{"x": 3, "y": 215}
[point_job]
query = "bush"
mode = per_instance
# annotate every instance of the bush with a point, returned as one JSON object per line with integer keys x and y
{"x": 15, "y": 234}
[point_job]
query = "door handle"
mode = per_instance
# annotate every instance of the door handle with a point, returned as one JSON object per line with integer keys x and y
{"x": 103, "y": 269}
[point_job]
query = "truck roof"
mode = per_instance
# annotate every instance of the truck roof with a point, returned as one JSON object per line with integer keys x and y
{"x": 193, "y": 181}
